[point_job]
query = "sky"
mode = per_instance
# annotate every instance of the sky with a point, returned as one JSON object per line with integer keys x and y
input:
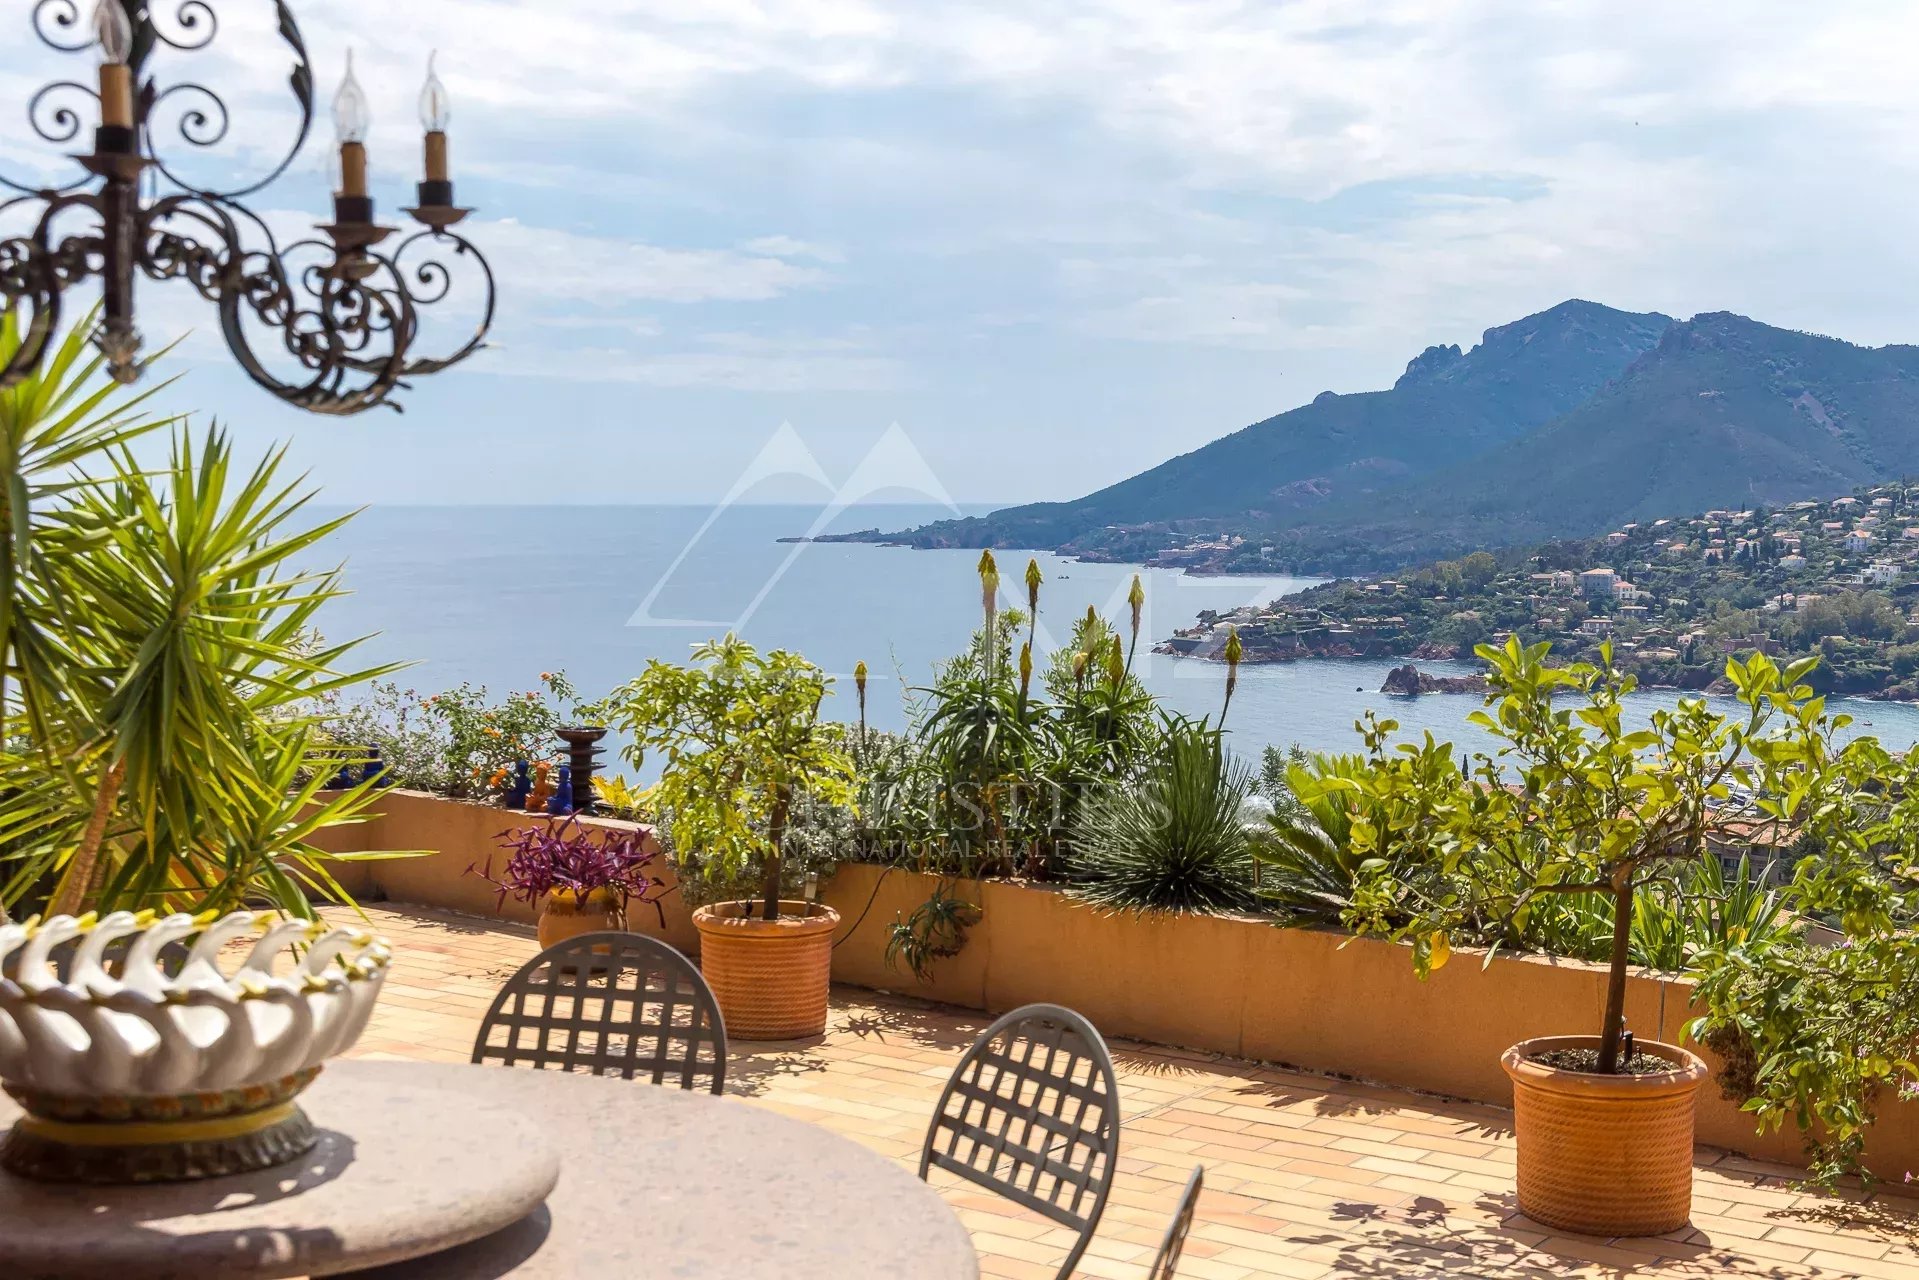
{"x": 1034, "y": 246}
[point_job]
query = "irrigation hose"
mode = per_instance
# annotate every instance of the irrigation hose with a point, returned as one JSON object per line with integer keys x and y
{"x": 871, "y": 899}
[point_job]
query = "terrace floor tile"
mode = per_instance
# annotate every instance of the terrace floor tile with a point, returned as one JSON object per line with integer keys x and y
{"x": 1307, "y": 1177}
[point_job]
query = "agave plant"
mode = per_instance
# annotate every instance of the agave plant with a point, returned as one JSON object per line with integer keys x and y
{"x": 1175, "y": 842}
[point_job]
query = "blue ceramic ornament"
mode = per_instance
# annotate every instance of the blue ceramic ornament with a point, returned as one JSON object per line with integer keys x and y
{"x": 562, "y": 801}
{"x": 518, "y": 789}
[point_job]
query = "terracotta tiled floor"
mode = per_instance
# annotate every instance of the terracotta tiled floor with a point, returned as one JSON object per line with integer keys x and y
{"x": 1305, "y": 1176}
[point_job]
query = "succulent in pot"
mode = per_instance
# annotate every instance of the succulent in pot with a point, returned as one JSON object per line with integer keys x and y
{"x": 580, "y": 880}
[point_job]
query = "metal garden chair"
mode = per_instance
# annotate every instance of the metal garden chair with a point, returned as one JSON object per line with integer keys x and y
{"x": 1032, "y": 1112}
{"x": 1166, "y": 1261}
{"x": 609, "y": 1004}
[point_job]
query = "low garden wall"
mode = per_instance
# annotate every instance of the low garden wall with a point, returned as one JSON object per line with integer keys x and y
{"x": 1315, "y": 999}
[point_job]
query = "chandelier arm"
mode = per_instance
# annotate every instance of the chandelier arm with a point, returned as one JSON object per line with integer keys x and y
{"x": 204, "y": 124}
{"x": 329, "y": 335}
{"x": 65, "y": 14}
{"x": 435, "y": 281}
{"x": 59, "y": 126}
{"x": 188, "y": 18}
{"x": 37, "y": 271}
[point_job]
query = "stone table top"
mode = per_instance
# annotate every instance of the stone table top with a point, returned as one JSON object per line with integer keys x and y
{"x": 662, "y": 1184}
{"x": 404, "y": 1166}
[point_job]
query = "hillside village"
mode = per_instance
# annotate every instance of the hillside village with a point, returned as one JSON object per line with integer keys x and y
{"x": 1674, "y": 596}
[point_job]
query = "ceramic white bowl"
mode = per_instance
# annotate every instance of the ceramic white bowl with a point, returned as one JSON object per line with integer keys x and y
{"x": 137, "y": 1033}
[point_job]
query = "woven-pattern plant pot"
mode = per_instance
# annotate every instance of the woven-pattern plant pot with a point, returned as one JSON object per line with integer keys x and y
{"x": 1604, "y": 1155}
{"x": 564, "y": 916}
{"x": 770, "y": 976}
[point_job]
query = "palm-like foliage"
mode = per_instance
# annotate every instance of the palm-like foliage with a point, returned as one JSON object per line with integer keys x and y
{"x": 1176, "y": 841}
{"x": 1307, "y": 867}
{"x": 160, "y": 665}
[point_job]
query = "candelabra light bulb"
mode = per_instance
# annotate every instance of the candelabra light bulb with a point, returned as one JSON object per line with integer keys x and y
{"x": 112, "y": 33}
{"x": 436, "y": 109}
{"x": 351, "y": 115}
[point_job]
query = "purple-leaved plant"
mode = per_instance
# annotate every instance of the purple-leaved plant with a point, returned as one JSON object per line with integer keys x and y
{"x": 544, "y": 860}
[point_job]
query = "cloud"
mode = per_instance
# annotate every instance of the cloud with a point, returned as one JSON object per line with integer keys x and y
{"x": 763, "y": 365}
{"x": 788, "y": 247}
{"x": 554, "y": 265}
{"x": 1027, "y": 213}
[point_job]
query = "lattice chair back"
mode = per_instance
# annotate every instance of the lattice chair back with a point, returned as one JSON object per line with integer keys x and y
{"x": 1032, "y": 1112}
{"x": 610, "y": 1004}
{"x": 1166, "y": 1261}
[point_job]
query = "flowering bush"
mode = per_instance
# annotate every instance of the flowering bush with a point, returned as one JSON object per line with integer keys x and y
{"x": 455, "y": 743}
{"x": 481, "y": 739}
{"x": 544, "y": 860}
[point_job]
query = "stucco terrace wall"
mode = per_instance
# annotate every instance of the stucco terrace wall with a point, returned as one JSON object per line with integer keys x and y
{"x": 1320, "y": 1000}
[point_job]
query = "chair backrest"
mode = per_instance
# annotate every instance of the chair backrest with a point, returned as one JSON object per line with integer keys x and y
{"x": 1032, "y": 1112}
{"x": 1166, "y": 1261}
{"x": 610, "y": 1004}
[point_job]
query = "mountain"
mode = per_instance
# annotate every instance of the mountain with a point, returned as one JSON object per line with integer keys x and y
{"x": 1448, "y": 405}
{"x": 1563, "y": 424}
{"x": 1723, "y": 411}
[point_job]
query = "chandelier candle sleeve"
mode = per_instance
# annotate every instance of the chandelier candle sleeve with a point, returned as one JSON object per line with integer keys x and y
{"x": 351, "y": 120}
{"x": 435, "y": 114}
{"x": 115, "y": 38}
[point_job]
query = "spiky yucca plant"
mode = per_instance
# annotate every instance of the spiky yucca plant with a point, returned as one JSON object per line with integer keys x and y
{"x": 1176, "y": 841}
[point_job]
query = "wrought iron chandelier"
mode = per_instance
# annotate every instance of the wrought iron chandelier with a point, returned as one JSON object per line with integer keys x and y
{"x": 337, "y": 314}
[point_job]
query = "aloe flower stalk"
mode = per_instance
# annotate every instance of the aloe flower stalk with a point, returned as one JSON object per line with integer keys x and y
{"x": 1079, "y": 670}
{"x": 1025, "y": 672}
{"x": 1116, "y": 664}
{"x": 1233, "y": 652}
{"x": 1135, "y": 597}
{"x": 859, "y": 686}
{"x": 988, "y": 586}
{"x": 1033, "y": 580}
{"x": 989, "y": 605}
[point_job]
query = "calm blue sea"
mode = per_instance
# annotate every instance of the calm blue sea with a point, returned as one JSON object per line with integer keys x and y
{"x": 495, "y": 595}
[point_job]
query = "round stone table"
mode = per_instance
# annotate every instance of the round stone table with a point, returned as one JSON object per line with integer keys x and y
{"x": 405, "y": 1165}
{"x": 663, "y": 1184}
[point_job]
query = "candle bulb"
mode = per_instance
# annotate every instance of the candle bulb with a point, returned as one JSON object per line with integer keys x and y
{"x": 436, "y": 112}
{"x": 114, "y": 35}
{"x": 350, "y": 124}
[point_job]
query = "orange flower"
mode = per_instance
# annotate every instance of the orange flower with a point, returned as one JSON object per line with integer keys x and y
{"x": 546, "y": 675}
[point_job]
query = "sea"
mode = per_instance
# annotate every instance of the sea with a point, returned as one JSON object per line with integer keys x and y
{"x": 495, "y": 595}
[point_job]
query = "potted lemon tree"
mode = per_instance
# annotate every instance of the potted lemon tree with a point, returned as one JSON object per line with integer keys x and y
{"x": 743, "y": 749}
{"x": 1577, "y": 804}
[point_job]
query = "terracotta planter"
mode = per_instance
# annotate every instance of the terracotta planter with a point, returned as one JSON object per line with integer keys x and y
{"x": 770, "y": 977}
{"x": 1604, "y": 1155}
{"x": 564, "y": 916}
